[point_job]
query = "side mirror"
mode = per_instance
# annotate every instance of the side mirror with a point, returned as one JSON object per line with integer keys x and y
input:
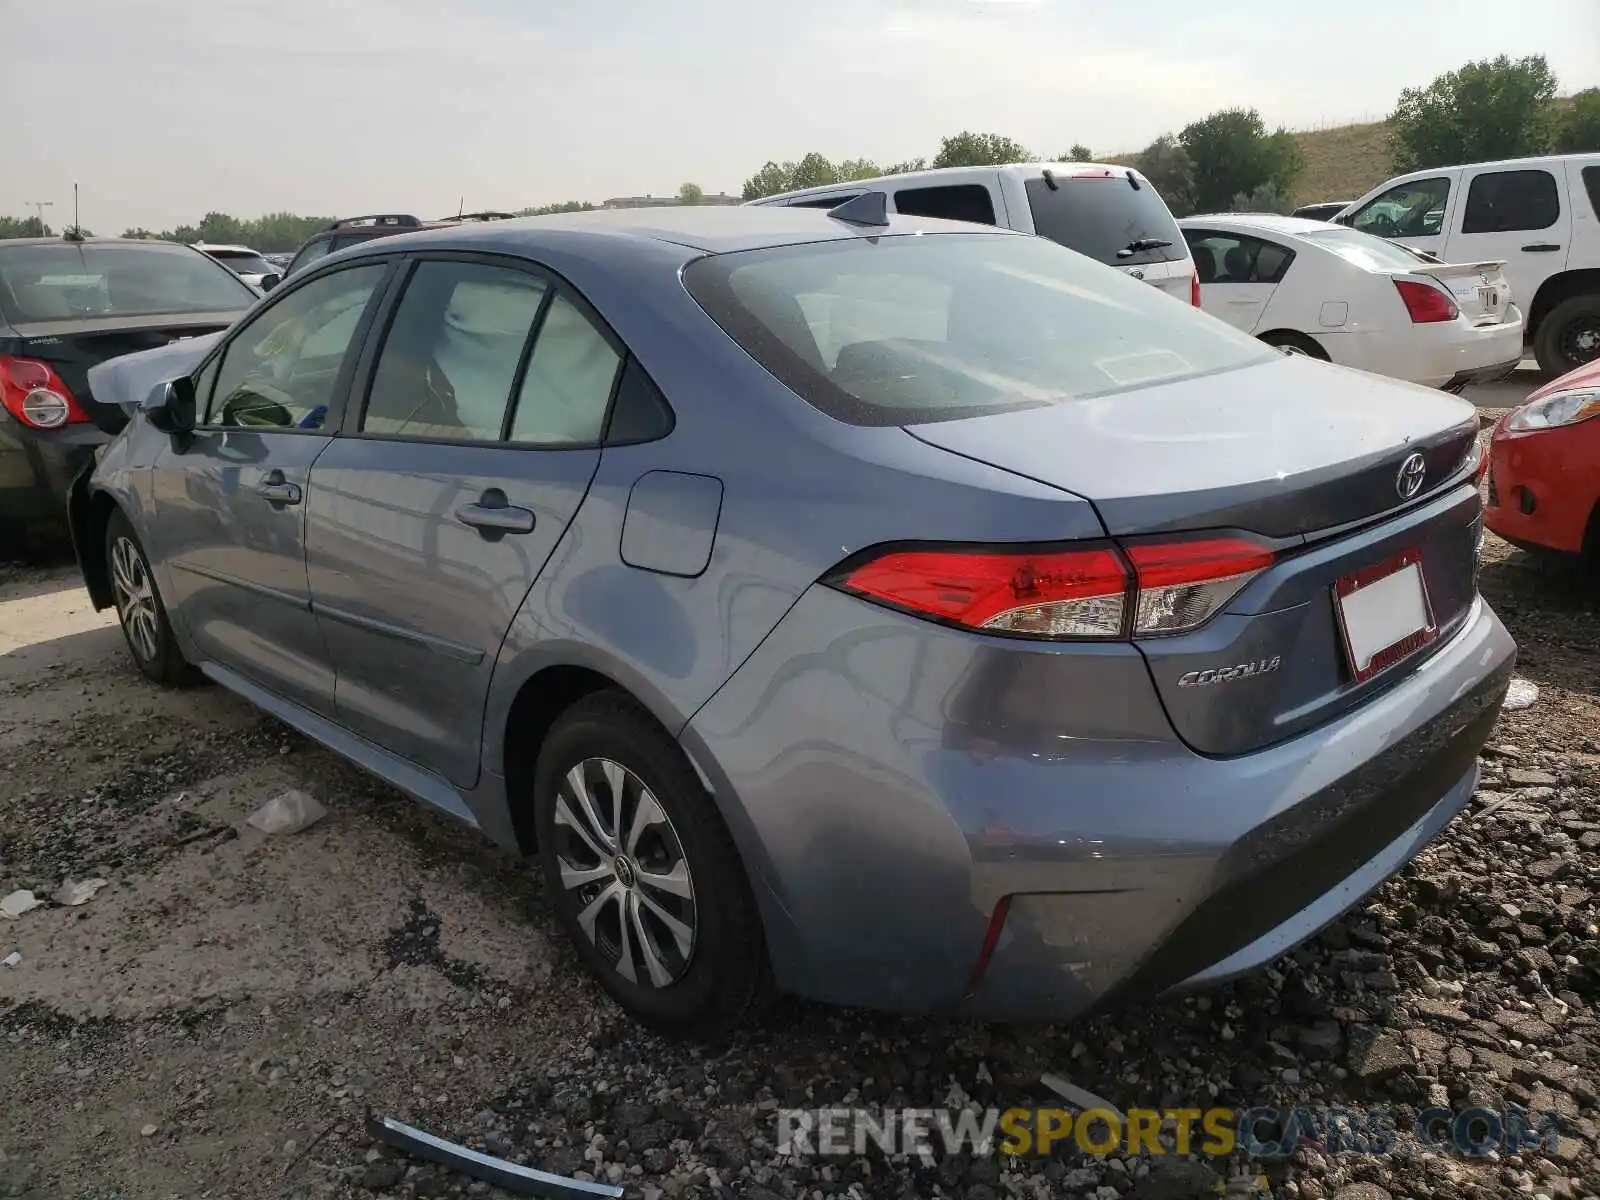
{"x": 271, "y": 280}
{"x": 170, "y": 407}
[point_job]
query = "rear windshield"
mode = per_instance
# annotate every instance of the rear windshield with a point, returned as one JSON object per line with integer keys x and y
{"x": 1102, "y": 217}
{"x": 64, "y": 281}
{"x": 905, "y": 330}
{"x": 1365, "y": 250}
{"x": 242, "y": 262}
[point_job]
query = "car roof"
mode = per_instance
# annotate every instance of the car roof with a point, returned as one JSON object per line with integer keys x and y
{"x": 1262, "y": 222}
{"x": 90, "y": 241}
{"x": 947, "y": 175}
{"x": 221, "y": 247}
{"x": 713, "y": 229}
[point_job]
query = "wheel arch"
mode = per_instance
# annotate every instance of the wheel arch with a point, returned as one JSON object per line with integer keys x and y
{"x": 1297, "y": 337}
{"x": 1559, "y": 287}
{"x": 88, "y": 516}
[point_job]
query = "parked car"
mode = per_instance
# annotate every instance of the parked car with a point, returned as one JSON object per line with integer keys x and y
{"x": 352, "y": 231}
{"x": 1332, "y": 293}
{"x": 908, "y": 613}
{"x": 1111, "y": 214}
{"x": 244, "y": 262}
{"x": 65, "y": 306}
{"x": 1544, "y": 469}
{"x": 1540, "y": 216}
{"x": 1326, "y": 211}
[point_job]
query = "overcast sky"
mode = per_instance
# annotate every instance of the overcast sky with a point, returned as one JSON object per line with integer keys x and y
{"x": 165, "y": 109}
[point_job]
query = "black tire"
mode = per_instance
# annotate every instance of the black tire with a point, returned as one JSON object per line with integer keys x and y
{"x": 724, "y": 978}
{"x": 1298, "y": 343}
{"x": 145, "y": 626}
{"x": 1569, "y": 335}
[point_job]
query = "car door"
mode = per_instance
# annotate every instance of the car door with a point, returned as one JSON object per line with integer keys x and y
{"x": 435, "y": 510}
{"x": 1515, "y": 216}
{"x": 1238, "y": 274}
{"x": 1415, "y": 212}
{"x": 230, "y": 500}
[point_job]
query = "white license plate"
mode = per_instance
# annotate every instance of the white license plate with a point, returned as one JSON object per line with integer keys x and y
{"x": 1384, "y": 613}
{"x": 1489, "y": 297}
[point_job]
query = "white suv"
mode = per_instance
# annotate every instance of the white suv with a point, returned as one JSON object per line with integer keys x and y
{"x": 1107, "y": 213}
{"x": 1540, "y": 216}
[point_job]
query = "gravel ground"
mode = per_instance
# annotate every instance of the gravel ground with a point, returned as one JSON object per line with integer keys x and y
{"x": 217, "y": 1020}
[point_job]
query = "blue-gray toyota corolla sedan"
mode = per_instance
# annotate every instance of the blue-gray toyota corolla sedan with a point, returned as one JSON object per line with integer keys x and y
{"x": 904, "y": 613}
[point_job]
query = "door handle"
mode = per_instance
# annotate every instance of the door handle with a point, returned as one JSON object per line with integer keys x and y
{"x": 493, "y": 515}
{"x": 1541, "y": 248}
{"x": 274, "y": 489}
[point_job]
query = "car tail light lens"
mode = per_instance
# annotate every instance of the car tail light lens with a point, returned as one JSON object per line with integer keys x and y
{"x": 1064, "y": 593}
{"x": 1426, "y": 303}
{"x": 1183, "y": 584}
{"x": 1061, "y": 593}
{"x": 34, "y": 394}
{"x": 1194, "y": 289}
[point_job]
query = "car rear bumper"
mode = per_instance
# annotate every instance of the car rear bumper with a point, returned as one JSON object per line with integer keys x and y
{"x": 34, "y": 476}
{"x": 890, "y": 787}
{"x": 1544, "y": 487}
{"x": 1446, "y": 354}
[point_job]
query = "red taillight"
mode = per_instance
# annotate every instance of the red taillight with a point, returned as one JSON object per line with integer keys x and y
{"x": 33, "y": 393}
{"x": 1182, "y": 584}
{"x": 1054, "y": 593}
{"x": 1194, "y": 289}
{"x": 1087, "y": 591}
{"x": 1426, "y": 303}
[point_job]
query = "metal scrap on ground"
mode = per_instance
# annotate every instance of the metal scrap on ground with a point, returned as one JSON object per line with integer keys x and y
{"x": 72, "y": 894}
{"x": 524, "y": 1181}
{"x": 17, "y": 903}
{"x": 1521, "y": 694}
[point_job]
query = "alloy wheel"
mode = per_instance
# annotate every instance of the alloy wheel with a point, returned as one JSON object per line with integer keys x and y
{"x": 136, "y": 598}
{"x": 620, "y": 858}
{"x": 1580, "y": 341}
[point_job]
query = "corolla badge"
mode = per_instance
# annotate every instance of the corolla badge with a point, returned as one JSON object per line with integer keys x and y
{"x": 1409, "y": 481}
{"x": 1263, "y": 666}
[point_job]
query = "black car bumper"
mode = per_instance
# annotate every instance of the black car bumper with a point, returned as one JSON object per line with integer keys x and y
{"x": 35, "y": 473}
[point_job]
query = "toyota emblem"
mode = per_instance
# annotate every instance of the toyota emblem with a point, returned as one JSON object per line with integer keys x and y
{"x": 1409, "y": 482}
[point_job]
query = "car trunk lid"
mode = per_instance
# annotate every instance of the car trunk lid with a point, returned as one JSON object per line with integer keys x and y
{"x": 1318, "y": 463}
{"x": 72, "y": 347}
{"x": 1480, "y": 290}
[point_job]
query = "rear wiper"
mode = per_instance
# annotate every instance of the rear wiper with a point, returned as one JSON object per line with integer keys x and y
{"x": 1140, "y": 244}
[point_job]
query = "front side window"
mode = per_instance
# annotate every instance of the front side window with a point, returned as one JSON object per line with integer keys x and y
{"x": 1591, "y": 184}
{"x": 1236, "y": 258}
{"x": 909, "y": 329}
{"x": 280, "y": 370}
{"x": 450, "y": 359}
{"x": 1414, "y": 209}
{"x": 62, "y": 281}
{"x": 1510, "y": 202}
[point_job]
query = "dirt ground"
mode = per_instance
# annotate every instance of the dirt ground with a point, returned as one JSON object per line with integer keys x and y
{"x": 217, "y": 1019}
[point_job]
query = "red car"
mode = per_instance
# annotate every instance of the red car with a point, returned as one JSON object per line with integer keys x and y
{"x": 1544, "y": 468}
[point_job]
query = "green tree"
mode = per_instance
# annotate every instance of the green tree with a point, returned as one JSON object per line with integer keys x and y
{"x": 812, "y": 171}
{"x": 1231, "y": 151}
{"x": 691, "y": 193}
{"x": 1493, "y": 108}
{"x": 1268, "y": 198}
{"x": 769, "y": 181}
{"x": 1578, "y": 131}
{"x": 906, "y": 167}
{"x": 566, "y": 206}
{"x": 138, "y": 231}
{"x": 1078, "y": 153}
{"x": 24, "y": 227}
{"x": 858, "y": 168}
{"x": 968, "y": 149}
{"x": 1166, "y": 165}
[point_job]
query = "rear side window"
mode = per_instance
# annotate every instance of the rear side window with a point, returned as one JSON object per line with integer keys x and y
{"x": 1108, "y": 219}
{"x": 450, "y": 359}
{"x": 1591, "y": 184}
{"x": 1511, "y": 201}
{"x": 1235, "y": 258}
{"x": 569, "y": 382}
{"x": 907, "y": 329}
{"x": 958, "y": 202}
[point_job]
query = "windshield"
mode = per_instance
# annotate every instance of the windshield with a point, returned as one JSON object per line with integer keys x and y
{"x": 905, "y": 330}
{"x": 1365, "y": 251}
{"x": 1099, "y": 217}
{"x": 64, "y": 281}
{"x": 242, "y": 262}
